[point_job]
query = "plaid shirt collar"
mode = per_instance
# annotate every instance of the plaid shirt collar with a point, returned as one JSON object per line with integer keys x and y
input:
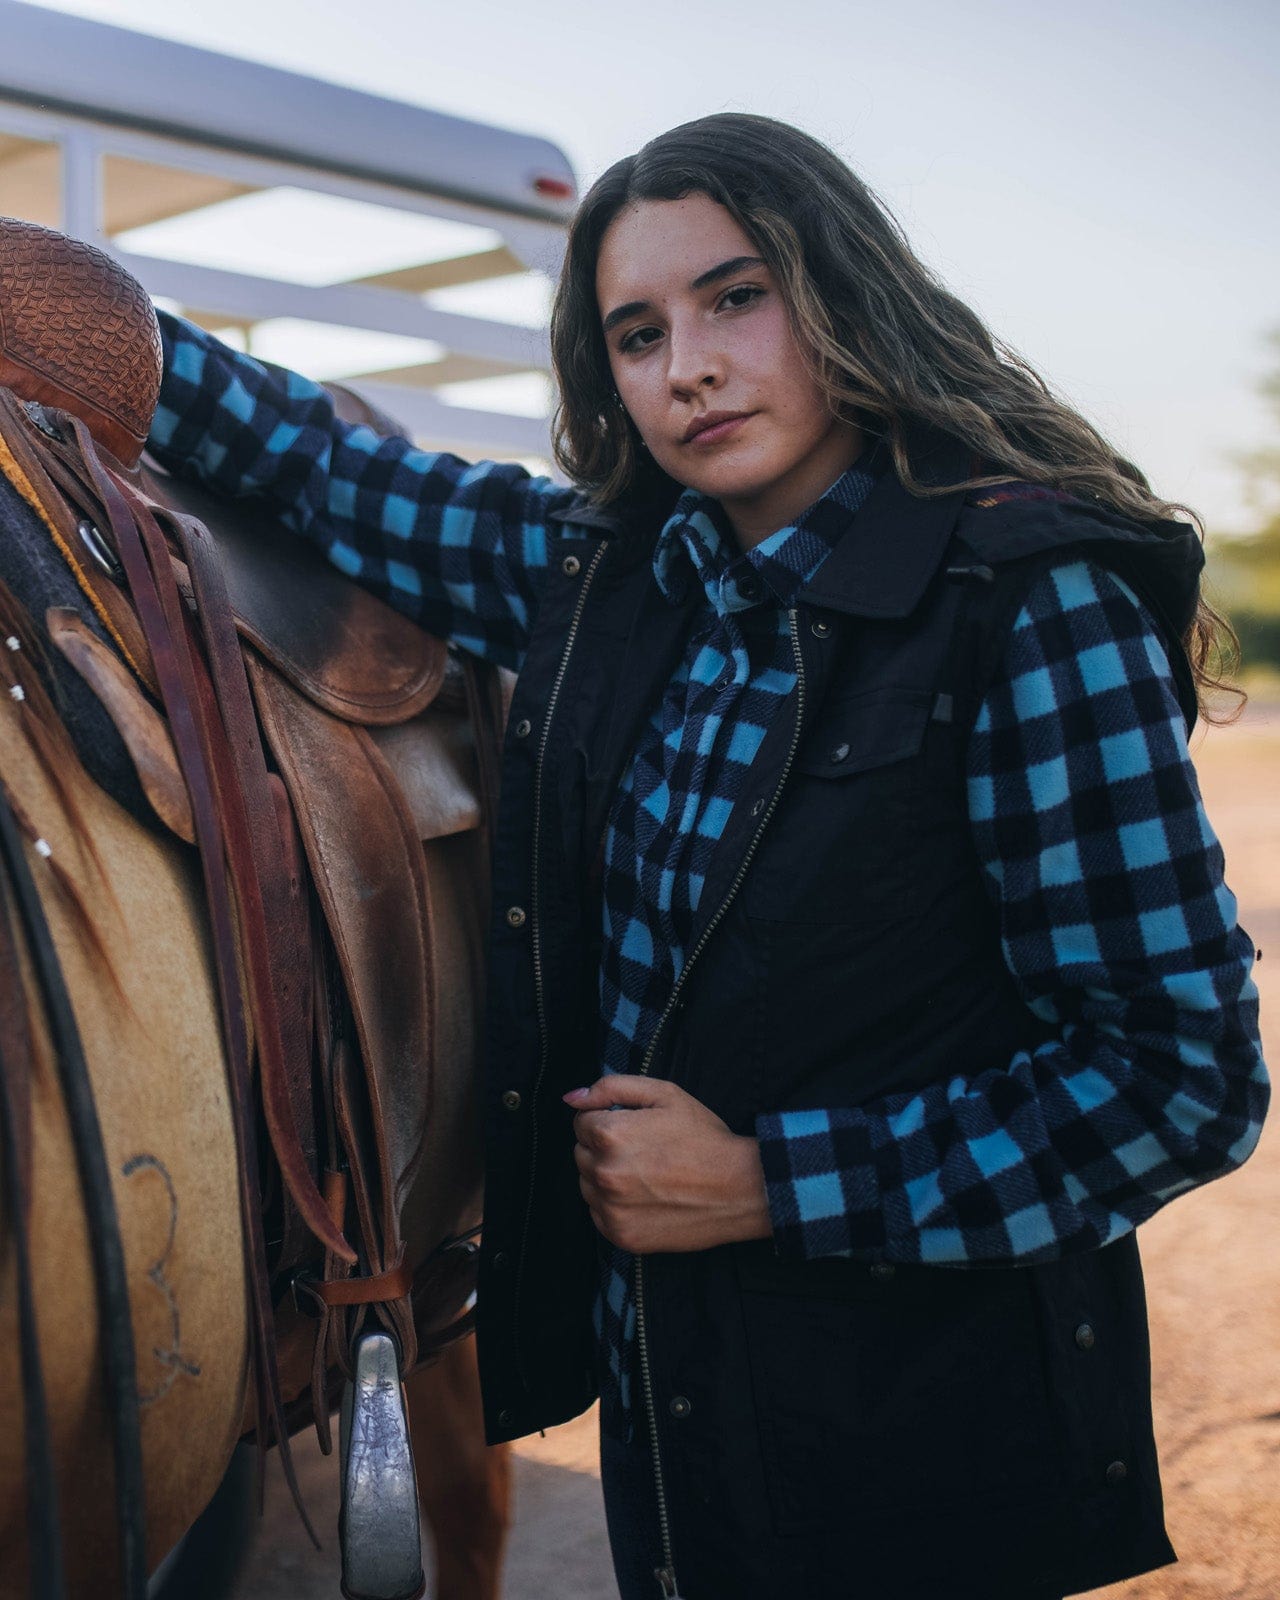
{"x": 697, "y": 544}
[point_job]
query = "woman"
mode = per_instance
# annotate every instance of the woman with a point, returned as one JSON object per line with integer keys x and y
{"x": 852, "y": 888}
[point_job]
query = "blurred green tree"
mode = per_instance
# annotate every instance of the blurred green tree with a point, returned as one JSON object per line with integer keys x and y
{"x": 1244, "y": 571}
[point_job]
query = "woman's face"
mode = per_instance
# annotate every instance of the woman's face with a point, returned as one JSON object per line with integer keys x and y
{"x": 705, "y": 362}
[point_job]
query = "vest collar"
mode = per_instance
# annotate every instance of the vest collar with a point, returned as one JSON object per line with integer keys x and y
{"x": 884, "y": 562}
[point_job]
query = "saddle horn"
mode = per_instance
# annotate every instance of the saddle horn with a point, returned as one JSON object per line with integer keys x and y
{"x": 79, "y": 333}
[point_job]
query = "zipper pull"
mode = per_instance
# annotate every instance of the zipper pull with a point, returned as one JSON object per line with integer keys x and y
{"x": 667, "y": 1582}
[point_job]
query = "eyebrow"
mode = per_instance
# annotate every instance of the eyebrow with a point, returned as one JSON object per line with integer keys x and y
{"x": 725, "y": 269}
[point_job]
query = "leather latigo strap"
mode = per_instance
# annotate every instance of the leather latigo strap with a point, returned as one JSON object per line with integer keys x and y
{"x": 142, "y": 551}
{"x": 291, "y": 945}
{"x": 394, "y": 1284}
{"x": 262, "y": 880}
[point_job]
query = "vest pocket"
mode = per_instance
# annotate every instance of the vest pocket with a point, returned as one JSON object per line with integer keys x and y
{"x": 916, "y": 1394}
{"x": 842, "y": 846}
{"x": 859, "y": 732}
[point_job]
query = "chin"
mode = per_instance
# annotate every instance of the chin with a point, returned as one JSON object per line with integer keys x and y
{"x": 729, "y": 479}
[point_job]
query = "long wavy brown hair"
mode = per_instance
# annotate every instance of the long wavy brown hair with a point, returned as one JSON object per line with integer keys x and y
{"x": 887, "y": 342}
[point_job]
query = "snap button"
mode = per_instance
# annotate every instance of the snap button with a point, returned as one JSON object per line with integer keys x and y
{"x": 501, "y": 1261}
{"x": 1084, "y": 1337}
{"x": 749, "y": 587}
{"x": 679, "y": 1407}
{"x": 523, "y": 728}
{"x": 820, "y": 629}
{"x": 511, "y": 1099}
{"x": 839, "y": 754}
{"x": 882, "y": 1271}
{"x": 504, "y": 1419}
{"x": 1117, "y": 1472}
{"x": 571, "y": 566}
{"x": 516, "y": 916}
{"x": 971, "y": 575}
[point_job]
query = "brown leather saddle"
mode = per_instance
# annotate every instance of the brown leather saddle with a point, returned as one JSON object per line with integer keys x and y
{"x": 336, "y": 768}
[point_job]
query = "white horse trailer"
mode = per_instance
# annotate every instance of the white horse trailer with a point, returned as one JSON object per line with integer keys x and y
{"x": 142, "y": 145}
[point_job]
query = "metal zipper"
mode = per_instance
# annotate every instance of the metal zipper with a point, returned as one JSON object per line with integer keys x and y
{"x": 666, "y": 1573}
{"x": 536, "y": 937}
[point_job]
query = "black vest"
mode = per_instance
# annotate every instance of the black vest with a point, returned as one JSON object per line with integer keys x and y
{"x": 880, "y": 1430}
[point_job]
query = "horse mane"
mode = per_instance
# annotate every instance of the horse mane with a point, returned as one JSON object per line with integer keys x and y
{"x": 23, "y": 671}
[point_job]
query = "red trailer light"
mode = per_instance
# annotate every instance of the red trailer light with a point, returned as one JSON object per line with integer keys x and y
{"x": 554, "y": 188}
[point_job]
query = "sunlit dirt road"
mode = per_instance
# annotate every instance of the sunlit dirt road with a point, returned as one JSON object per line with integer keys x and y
{"x": 1213, "y": 1279}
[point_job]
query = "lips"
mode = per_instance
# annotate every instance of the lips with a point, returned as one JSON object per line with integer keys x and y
{"x": 713, "y": 426}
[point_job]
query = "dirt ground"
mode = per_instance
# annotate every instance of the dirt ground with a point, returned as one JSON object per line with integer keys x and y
{"x": 1213, "y": 1279}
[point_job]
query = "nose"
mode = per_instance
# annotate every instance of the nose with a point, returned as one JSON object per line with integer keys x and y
{"x": 694, "y": 361}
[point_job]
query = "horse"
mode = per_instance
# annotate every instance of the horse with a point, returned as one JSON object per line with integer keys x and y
{"x": 244, "y": 819}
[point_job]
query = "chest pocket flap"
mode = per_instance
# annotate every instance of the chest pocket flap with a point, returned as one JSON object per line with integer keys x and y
{"x": 862, "y": 731}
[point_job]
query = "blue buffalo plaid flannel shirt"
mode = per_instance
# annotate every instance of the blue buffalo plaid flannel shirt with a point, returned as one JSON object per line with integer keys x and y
{"x": 1116, "y": 924}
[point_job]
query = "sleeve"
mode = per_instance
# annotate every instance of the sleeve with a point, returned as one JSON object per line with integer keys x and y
{"x": 1120, "y": 934}
{"x": 460, "y": 548}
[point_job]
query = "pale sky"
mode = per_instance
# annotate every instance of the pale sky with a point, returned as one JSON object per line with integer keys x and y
{"x": 1098, "y": 180}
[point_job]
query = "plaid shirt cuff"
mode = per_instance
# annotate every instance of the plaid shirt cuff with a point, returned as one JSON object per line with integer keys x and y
{"x": 824, "y": 1195}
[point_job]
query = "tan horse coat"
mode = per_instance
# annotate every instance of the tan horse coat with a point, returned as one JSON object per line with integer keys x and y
{"x": 159, "y": 1082}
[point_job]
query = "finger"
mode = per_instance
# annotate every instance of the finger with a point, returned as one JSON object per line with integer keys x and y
{"x": 627, "y": 1089}
{"x": 598, "y": 1130}
{"x": 592, "y": 1098}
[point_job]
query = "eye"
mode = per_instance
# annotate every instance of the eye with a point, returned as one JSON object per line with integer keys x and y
{"x": 638, "y": 339}
{"x": 737, "y": 298}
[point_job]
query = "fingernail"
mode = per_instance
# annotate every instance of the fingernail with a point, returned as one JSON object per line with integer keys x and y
{"x": 575, "y": 1095}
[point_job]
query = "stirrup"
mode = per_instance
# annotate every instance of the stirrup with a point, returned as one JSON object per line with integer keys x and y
{"x": 378, "y": 1522}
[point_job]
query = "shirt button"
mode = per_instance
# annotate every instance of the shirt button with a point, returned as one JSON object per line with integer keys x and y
{"x": 680, "y": 1407}
{"x": 504, "y": 1419}
{"x": 516, "y": 917}
{"x": 839, "y": 754}
{"x": 501, "y": 1261}
{"x": 571, "y": 566}
{"x": 882, "y": 1271}
{"x": 820, "y": 629}
{"x": 511, "y": 1099}
{"x": 1085, "y": 1337}
{"x": 1117, "y": 1472}
{"x": 523, "y": 728}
